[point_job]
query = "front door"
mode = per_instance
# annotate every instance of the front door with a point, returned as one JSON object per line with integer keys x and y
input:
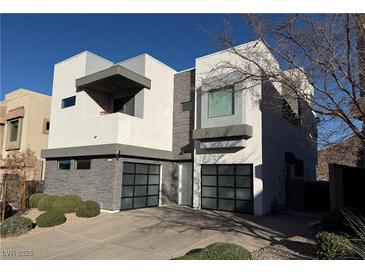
{"x": 185, "y": 184}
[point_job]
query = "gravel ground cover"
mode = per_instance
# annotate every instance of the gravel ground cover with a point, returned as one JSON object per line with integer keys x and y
{"x": 292, "y": 248}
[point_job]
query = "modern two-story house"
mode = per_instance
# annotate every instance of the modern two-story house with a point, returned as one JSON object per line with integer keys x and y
{"x": 138, "y": 134}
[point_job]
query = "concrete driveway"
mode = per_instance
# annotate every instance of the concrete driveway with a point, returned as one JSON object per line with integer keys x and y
{"x": 156, "y": 233}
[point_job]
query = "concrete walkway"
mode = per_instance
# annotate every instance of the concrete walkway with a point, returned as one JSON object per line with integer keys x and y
{"x": 156, "y": 233}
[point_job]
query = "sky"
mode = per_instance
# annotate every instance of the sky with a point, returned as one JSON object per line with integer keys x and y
{"x": 32, "y": 43}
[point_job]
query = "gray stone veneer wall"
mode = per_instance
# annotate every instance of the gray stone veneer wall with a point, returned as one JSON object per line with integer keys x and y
{"x": 98, "y": 183}
{"x": 183, "y": 121}
{"x": 103, "y": 181}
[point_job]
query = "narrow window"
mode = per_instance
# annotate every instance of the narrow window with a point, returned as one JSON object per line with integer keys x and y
{"x": 45, "y": 129}
{"x": 64, "y": 164}
{"x": 221, "y": 102}
{"x": 83, "y": 163}
{"x": 187, "y": 106}
{"x": 68, "y": 102}
{"x": 14, "y": 130}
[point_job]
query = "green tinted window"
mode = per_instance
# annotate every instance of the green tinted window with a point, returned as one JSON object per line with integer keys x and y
{"x": 221, "y": 102}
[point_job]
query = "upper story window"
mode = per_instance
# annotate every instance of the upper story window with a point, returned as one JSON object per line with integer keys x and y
{"x": 187, "y": 106}
{"x": 13, "y": 127}
{"x": 221, "y": 102}
{"x": 68, "y": 102}
{"x": 45, "y": 129}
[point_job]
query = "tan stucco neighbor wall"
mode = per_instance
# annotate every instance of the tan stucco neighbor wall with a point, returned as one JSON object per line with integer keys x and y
{"x": 345, "y": 153}
{"x": 33, "y": 109}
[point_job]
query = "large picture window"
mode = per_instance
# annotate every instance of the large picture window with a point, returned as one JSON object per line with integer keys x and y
{"x": 221, "y": 102}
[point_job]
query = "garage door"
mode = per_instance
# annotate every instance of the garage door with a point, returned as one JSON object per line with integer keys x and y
{"x": 227, "y": 187}
{"x": 140, "y": 185}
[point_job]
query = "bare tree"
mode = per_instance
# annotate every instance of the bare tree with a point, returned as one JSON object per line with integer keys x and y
{"x": 18, "y": 169}
{"x": 320, "y": 61}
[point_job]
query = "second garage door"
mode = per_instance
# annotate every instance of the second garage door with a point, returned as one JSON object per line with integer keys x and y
{"x": 227, "y": 187}
{"x": 140, "y": 185}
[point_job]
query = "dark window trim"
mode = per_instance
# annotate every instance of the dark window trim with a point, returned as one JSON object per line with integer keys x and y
{"x": 64, "y": 99}
{"x": 85, "y": 159}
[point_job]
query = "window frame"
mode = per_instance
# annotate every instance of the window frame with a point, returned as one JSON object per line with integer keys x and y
{"x": 187, "y": 106}
{"x": 67, "y": 98}
{"x": 223, "y": 89}
{"x": 11, "y": 130}
{"x": 79, "y": 160}
{"x": 59, "y": 162}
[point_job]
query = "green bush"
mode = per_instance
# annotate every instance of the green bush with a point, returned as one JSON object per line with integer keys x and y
{"x": 219, "y": 251}
{"x": 88, "y": 209}
{"x": 46, "y": 203}
{"x": 15, "y": 226}
{"x": 35, "y": 198}
{"x": 67, "y": 203}
{"x": 331, "y": 246}
{"x": 50, "y": 218}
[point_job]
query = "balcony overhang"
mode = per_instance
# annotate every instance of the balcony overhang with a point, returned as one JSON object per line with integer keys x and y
{"x": 221, "y": 133}
{"x": 112, "y": 80}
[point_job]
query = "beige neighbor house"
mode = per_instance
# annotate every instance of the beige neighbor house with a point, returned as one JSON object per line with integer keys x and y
{"x": 24, "y": 123}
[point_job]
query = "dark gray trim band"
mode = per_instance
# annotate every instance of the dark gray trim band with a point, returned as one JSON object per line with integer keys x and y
{"x": 240, "y": 131}
{"x": 112, "y": 71}
{"x": 113, "y": 149}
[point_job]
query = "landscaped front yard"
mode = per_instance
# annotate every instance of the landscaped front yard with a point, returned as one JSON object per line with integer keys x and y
{"x": 158, "y": 233}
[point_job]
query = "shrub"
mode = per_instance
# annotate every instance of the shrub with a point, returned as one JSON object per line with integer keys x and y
{"x": 67, "y": 203}
{"x": 219, "y": 251}
{"x": 50, "y": 218}
{"x": 331, "y": 246}
{"x": 35, "y": 198}
{"x": 15, "y": 226}
{"x": 46, "y": 203}
{"x": 88, "y": 209}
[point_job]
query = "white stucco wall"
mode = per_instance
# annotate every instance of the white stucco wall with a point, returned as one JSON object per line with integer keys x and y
{"x": 82, "y": 124}
{"x": 252, "y": 153}
{"x": 280, "y": 136}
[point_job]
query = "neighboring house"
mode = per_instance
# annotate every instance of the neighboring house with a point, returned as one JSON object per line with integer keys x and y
{"x": 137, "y": 134}
{"x": 24, "y": 123}
{"x": 344, "y": 153}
